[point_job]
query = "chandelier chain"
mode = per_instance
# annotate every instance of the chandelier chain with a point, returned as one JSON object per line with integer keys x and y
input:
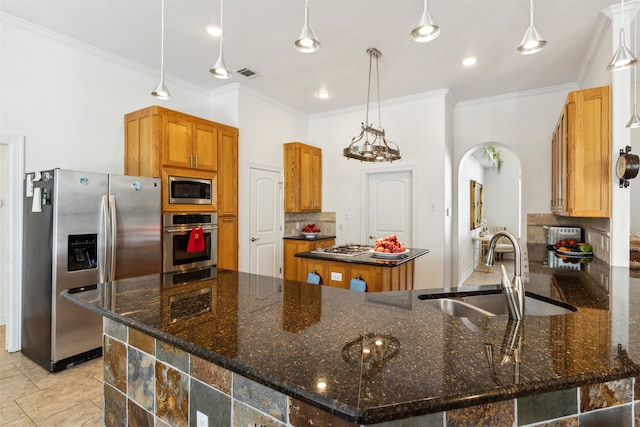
{"x": 378, "y": 84}
{"x": 366, "y": 119}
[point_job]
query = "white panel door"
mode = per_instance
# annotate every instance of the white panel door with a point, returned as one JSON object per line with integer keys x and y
{"x": 265, "y": 228}
{"x": 389, "y": 206}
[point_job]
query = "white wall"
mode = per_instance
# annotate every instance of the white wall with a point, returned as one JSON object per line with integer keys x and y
{"x": 264, "y": 126}
{"x": 500, "y": 194}
{"x": 69, "y": 100}
{"x": 417, "y": 125}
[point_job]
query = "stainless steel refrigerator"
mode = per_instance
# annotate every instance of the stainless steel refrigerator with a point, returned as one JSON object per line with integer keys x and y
{"x": 80, "y": 229}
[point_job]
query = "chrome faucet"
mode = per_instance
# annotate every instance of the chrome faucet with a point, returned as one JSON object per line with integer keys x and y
{"x": 513, "y": 290}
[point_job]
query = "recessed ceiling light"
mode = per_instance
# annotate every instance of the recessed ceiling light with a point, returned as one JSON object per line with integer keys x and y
{"x": 323, "y": 94}
{"x": 467, "y": 62}
{"x": 214, "y": 30}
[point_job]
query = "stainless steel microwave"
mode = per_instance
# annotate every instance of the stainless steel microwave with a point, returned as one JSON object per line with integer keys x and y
{"x": 185, "y": 190}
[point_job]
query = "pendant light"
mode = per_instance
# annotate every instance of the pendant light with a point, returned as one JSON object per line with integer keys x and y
{"x": 623, "y": 58}
{"x": 634, "y": 121}
{"x": 161, "y": 91}
{"x": 307, "y": 42}
{"x": 427, "y": 29}
{"x": 378, "y": 149}
{"x": 220, "y": 68}
{"x": 532, "y": 42}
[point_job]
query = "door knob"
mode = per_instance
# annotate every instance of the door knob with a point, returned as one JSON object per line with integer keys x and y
{"x": 253, "y": 239}
{"x": 371, "y": 237}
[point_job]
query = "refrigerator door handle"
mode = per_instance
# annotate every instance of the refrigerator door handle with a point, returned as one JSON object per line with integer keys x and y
{"x": 114, "y": 229}
{"x": 104, "y": 260}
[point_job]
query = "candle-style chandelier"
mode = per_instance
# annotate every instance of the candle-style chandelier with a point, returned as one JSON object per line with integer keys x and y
{"x": 375, "y": 147}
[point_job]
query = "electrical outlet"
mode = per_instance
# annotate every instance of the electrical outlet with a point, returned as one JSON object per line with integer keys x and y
{"x": 202, "y": 420}
{"x": 336, "y": 277}
{"x": 340, "y": 227}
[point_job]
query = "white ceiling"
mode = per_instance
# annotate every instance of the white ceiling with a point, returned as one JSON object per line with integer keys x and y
{"x": 259, "y": 35}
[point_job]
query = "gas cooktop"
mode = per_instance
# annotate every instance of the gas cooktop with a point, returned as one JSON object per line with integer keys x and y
{"x": 349, "y": 249}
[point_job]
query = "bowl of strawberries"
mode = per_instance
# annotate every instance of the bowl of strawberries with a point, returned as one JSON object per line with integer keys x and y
{"x": 389, "y": 247}
{"x": 310, "y": 231}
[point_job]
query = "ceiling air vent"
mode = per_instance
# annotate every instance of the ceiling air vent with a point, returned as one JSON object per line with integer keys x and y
{"x": 250, "y": 74}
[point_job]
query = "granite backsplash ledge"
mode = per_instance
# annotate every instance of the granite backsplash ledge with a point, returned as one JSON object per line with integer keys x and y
{"x": 325, "y": 221}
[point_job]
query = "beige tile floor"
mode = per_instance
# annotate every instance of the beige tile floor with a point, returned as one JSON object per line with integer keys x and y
{"x": 492, "y": 277}
{"x": 32, "y": 396}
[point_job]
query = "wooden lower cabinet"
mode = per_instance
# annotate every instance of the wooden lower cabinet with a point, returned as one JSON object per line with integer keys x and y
{"x": 292, "y": 247}
{"x": 228, "y": 242}
{"x": 378, "y": 278}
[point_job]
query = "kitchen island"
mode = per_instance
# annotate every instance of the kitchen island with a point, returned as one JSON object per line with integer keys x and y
{"x": 339, "y": 264}
{"x": 244, "y": 349}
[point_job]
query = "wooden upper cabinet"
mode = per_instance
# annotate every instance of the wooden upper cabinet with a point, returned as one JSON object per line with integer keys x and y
{"x": 558, "y": 165}
{"x": 190, "y": 143}
{"x": 157, "y": 137}
{"x": 177, "y": 142}
{"x": 302, "y": 178}
{"x": 205, "y": 145}
{"x": 581, "y": 157}
{"x": 228, "y": 172}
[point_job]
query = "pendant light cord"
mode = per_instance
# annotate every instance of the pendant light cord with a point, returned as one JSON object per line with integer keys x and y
{"x": 366, "y": 119}
{"x": 162, "y": 40}
{"x": 621, "y": 15}
{"x": 371, "y": 55}
{"x": 306, "y": 12}
{"x": 221, "y": 29}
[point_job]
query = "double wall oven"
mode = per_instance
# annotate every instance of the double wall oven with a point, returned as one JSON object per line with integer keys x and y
{"x": 177, "y": 229}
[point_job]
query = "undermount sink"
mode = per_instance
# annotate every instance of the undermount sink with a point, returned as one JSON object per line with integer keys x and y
{"x": 494, "y": 305}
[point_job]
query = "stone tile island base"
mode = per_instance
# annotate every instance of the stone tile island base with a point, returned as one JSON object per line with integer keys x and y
{"x": 151, "y": 383}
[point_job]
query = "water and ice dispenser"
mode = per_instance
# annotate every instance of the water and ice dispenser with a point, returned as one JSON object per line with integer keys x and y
{"x": 83, "y": 249}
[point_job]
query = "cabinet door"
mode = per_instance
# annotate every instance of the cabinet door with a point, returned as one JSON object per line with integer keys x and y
{"x": 177, "y": 141}
{"x": 293, "y": 264}
{"x": 310, "y": 179}
{"x": 316, "y": 179}
{"x": 205, "y": 146}
{"x": 227, "y": 172}
{"x": 589, "y": 154}
{"x": 228, "y": 243}
{"x": 559, "y": 165}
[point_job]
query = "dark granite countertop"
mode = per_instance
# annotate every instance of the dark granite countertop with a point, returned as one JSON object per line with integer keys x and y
{"x": 366, "y": 258}
{"x": 302, "y": 237}
{"x": 291, "y": 336}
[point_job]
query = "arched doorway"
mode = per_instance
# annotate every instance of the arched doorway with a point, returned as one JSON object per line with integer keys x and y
{"x": 501, "y": 198}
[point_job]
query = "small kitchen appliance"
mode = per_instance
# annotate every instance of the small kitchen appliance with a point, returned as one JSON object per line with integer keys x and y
{"x": 189, "y": 190}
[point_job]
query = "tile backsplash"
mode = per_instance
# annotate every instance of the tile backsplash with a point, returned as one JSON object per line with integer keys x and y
{"x": 325, "y": 221}
{"x": 596, "y": 230}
